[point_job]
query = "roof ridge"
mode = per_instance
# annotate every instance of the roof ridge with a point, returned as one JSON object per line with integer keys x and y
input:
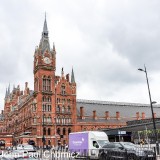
{"x": 115, "y": 103}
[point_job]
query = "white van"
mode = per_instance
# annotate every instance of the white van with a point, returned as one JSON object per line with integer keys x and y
{"x": 87, "y": 143}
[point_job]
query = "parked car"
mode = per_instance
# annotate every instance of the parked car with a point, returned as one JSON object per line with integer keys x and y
{"x": 125, "y": 150}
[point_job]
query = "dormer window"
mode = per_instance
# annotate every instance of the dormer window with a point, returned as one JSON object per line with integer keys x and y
{"x": 63, "y": 92}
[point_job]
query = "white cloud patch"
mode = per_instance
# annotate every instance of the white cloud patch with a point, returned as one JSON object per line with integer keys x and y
{"x": 105, "y": 42}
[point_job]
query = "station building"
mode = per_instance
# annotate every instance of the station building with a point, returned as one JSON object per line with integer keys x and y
{"x": 51, "y": 110}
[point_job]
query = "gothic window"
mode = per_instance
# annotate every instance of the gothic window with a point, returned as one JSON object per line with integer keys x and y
{"x": 44, "y": 118}
{"x": 58, "y": 109}
{"x": 63, "y": 109}
{"x": 49, "y": 131}
{"x": 63, "y": 89}
{"x": 49, "y": 99}
{"x": 63, "y": 120}
{"x": 69, "y": 120}
{"x": 44, "y": 107}
{"x": 44, "y": 131}
{"x": 46, "y": 83}
{"x": 58, "y": 120}
{"x": 69, "y": 130}
{"x": 46, "y": 99}
{"x": 34, "y": 120}
{"x": 68, "y": 100}
{"x": 34, "y": 107}
{"x": 64, "y": 131}
{"x": 36, "y": 84}
{"x": 58, "y": 131}
{"x": 49, "y": 108}
{"x": 69, "y": 109}
{"x": 66, "y": 120}
{"x": 49, "y": 119}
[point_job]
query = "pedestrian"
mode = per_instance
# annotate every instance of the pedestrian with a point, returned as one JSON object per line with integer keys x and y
{"x": 66, "y": 148}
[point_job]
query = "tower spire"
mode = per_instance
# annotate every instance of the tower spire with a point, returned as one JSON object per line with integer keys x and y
{"x": 72, "y": 77}
{"x": 44, "y": 43}
{"x": 6, "y": 95}
{"x": 9, "y": 89}
{"x": 45, "y": 28}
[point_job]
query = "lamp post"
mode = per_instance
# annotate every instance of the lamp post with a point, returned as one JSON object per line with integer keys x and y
{"x": 151, "y": 104}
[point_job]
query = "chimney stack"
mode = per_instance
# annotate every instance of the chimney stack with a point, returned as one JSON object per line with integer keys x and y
{"x": 143, "y": 115}
{"x": 117, "y": 115}
{"x": 137, "y": 116}
{"x": 82, "y": 112}
{"x": 94, "y": 115}
{"x": 107, "y": 115}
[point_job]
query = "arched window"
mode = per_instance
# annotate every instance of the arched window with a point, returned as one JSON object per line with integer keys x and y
{"x": 44, "y": 118}
{"x": 58, "y": 131}
{"x": 49, "y": 99}
{"x": 58, "y": 109}
{"x": 63, "y": 109}
{"x": 69, "y": 109}
{"x": 44, "y": 99}
{"x": 49, "y": 119}
{"x": 69, "y": 120}
{"x": 63, "y": 120}
{"x": 44, "y": 131}
{"x": 49, "y": 108}
{"x": 64, "y": 131}
{"x": 69, "y": 131}
{"x": 36, "y": 84}
{"x": 66, "y": 120}
{"x": 63, "y": 92}
{"x": 46, "y": 83}
{"x": 34, "y": 120}
{"x": 49, "y": 131}
{"x": 58, "y": 120}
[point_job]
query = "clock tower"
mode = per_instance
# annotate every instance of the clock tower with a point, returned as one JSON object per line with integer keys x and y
{"x": 44, "y": 86}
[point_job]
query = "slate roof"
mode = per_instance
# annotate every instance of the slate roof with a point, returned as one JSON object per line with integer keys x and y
{"x": 127, "y": 110}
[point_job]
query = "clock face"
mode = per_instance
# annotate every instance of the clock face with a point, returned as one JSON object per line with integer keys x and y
{"x": 47, "y": 60}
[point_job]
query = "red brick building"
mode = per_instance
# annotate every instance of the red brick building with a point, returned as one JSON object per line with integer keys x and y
{"x": 51, "y": 111}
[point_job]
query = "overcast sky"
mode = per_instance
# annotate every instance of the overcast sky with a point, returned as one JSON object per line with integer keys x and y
{"x": 105, "y": 41}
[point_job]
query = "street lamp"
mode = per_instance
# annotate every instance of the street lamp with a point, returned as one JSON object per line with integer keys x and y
{"x": 151, "y": 104}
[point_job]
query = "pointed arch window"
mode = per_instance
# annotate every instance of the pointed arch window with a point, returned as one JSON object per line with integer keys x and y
{"x": 49, "y": 131}
{"x": 63, "y": 92}
{"x": 58, "y": 109}
{"x": 34, "y": 120}
{"x": 63, "y": 120}
{"x": 69, "y": 131}
{"x": 64, "y": 131}
{"x": 36, "y": 84}
{"x": 63, "y": 109}
{"x": 46, "y": 83}
{"x": 49, "y": 119}
{"x": 44, "y": 131}
{"x": 69, "y": 109}
{"x": 58, "y": 131}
